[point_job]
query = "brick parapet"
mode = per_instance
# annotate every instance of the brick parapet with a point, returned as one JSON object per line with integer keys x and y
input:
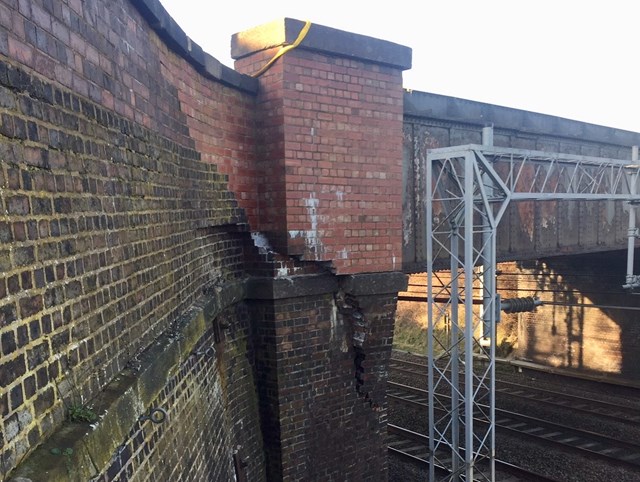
{"x": 528, "y": 229}
{"x": 454, "y": 111}
{"x": 331, "y": 130}
{"x": 112, "y": 225}
{"x": 144, "y": 68}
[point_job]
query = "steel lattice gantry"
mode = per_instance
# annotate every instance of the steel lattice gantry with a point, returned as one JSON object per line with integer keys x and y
{"x": 468, "y": 190}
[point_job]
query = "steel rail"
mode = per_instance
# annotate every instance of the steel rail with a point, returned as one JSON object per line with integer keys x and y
{"x": 400, "y": 435}
{"x": 612, "y": 411}
{"x": 603, "y": 379}
{"x": 569, "y": 438}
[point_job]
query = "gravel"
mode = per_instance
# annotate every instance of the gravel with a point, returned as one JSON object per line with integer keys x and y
{"x": 550, "y": 462}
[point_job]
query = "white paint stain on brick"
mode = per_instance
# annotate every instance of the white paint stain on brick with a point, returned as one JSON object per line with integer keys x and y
{"x": 311, "y": 238}
{"x": 334, "y": 320}
{"x": 261, "y": 242}
{"x": 312, "y": 210}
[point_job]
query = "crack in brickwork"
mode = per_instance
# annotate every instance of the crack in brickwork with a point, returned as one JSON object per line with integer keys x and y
{"x": 349, "y": 308}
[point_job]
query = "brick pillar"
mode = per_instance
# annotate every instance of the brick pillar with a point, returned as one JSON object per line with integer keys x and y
{"x": 323, "y": 344}
{"x": 330, "y": 120}
{"x": 330, "y": 163}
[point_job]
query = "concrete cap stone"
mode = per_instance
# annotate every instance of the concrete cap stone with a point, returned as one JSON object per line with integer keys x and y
{"x": 321, "y": 39}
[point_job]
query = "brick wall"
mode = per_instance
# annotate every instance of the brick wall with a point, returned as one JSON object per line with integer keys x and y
{"x": 207, "y": 391}
{"x": 118, "y": 214}
{"x": 589, "y": 323}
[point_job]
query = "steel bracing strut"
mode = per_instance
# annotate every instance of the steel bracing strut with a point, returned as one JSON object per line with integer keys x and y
{"x": 468, "y": 189}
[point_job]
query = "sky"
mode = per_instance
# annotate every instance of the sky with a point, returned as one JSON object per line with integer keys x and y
{"x": 568, "y": 58}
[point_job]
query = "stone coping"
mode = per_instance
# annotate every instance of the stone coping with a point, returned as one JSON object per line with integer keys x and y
{"x": 464, "y": 111}
{"x": 178, "y": 41}
{"x": 328, "y": 40}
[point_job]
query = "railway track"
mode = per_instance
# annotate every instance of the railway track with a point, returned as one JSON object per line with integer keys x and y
{"x": 414, "y": 447}
{"x": 585, "y": 405}
{"x": 590, "y": 444}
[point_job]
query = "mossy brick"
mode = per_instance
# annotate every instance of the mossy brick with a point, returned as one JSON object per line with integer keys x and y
{"x": 5, "y": 261}
{"x": 5, "y": 234}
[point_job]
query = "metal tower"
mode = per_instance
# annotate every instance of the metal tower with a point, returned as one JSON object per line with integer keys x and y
{"x": 468, "y": 189}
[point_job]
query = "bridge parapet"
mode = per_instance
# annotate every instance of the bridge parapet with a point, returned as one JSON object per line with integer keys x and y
{"x": 570, "y": 226}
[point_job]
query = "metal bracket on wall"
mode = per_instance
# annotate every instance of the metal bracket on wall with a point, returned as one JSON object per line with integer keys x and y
{"x": 155, "y": 415}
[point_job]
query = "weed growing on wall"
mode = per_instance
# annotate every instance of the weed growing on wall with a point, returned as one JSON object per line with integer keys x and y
{"x": 81, "y": 414}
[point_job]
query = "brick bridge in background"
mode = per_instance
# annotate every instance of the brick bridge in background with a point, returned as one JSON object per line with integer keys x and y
{"x": 220, "y": 251}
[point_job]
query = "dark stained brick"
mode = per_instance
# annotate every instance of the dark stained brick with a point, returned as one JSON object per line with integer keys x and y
{"x": 8, "y": 343}
{"x": 5, "y": 261}
{"x": 16, "y": 397}
{"x": 11, "y": 370}
{"x": 13, "y": 287}
{"x": 18, "y": 205}
{"x": 5, "y": 232}
{"x": 4, "y": 403}
{"x": 44, "y": 401}
{"x": 24, "y": 256}
{"x": 22, "y": 336}
{"x": 8, "y": 314}
{"x": 37, "y": 355}
{"x": 29, "y": 387}
{"x": 31, "y": 305}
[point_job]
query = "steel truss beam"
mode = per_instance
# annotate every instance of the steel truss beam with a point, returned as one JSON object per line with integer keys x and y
{"x": 468, "y": 190}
